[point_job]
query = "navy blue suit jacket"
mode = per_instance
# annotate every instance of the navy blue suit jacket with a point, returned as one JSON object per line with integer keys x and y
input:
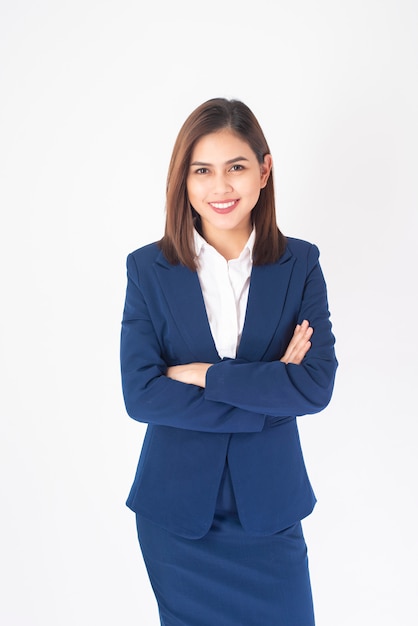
{"x": 247, "y": 412}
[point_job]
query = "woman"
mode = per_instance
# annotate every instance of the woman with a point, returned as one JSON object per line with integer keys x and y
{"x": 225, "y": 339}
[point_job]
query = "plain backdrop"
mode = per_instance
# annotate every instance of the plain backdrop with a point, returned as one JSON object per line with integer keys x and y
{"x": 93, "y": 93}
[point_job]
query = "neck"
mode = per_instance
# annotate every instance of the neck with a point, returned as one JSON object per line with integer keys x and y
{"x": 228, "y": 243}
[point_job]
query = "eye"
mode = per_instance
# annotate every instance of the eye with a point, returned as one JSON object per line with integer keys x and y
{"x": 202, "y": 170}
{"x": 236, "y": 167}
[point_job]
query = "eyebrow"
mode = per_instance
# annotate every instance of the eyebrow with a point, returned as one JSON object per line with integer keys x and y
{"x": 234, "y": 160}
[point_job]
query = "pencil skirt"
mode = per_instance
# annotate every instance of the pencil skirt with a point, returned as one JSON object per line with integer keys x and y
{"x": 228, "y": 577}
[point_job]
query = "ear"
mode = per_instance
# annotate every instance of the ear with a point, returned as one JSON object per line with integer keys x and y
{"x": 265, "y": 170}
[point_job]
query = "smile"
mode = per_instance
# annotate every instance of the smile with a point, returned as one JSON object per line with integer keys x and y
{"x": 224, "y": 207}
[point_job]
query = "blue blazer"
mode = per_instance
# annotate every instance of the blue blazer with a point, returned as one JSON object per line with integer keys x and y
{"x": 247, "y": 412}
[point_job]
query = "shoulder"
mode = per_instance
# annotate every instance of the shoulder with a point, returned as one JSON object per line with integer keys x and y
{"x": 301, "y": 249}
{"x": 140, "y": 262}
{"x": 299, "y": 246}
{"x": 146, "y": 254}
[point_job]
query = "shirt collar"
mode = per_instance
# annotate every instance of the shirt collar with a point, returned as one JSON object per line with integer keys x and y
{"x": 200, "y": 243}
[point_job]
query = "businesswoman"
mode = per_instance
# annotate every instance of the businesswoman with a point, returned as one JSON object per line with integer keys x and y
{"x": 226, "y": 339}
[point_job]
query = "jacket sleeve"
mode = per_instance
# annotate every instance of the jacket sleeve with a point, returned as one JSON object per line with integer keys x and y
{"x": 275, "y": 388}
{"x": 150, "y": 396}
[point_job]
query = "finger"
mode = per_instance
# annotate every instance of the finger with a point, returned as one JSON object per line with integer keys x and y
{"x": 299, "y": 344}
{"x": 300, "y": 336}
{"x": 296, "y": 357}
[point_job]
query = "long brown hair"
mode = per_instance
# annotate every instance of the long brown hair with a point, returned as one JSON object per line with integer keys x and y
{"x": 211, "y": 116}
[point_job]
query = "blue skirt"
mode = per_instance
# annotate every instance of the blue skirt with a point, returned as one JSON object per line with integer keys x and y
{"x": 228, "y": 577}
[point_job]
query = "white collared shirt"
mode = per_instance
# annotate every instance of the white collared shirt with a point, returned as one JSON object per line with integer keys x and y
{"x": 225, "y": 285}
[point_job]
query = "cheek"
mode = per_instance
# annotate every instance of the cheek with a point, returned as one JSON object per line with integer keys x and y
{"x": 195, "y": 190}
{"x": 252, "y": 189}
{"x": 190, "y": 186}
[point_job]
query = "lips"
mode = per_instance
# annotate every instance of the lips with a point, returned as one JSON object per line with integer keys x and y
{"x": 224, "y": 207}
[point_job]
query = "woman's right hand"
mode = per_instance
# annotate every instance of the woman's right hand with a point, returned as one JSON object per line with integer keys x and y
{"x": 299, "y": 344}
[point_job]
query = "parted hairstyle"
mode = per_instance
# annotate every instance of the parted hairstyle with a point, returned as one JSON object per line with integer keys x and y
{"x": 212, "y": 116}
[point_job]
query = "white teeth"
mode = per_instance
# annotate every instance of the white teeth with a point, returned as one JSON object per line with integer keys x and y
{"x": 222, "y": 205}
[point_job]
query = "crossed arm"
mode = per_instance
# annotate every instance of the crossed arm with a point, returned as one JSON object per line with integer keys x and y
{"x": 233, "y": 395}
{"x": 195, "y": 373}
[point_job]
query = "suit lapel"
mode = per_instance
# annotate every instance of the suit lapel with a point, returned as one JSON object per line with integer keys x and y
{"x": 184, "y": 298}
{"x": 266, "y": 298}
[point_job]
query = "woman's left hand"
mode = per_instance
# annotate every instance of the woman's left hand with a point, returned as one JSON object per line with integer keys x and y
{"x": 190, "y": 373}
{"x": 299, "y": 344}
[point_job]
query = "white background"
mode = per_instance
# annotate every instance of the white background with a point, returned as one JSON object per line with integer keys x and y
{"x": 93, "y": 94}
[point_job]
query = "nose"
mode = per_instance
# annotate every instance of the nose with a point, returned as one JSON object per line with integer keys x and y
{"x": 221, "y": 184}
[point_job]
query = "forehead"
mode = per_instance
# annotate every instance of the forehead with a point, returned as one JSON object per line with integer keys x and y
{"x": 221, "y": 145}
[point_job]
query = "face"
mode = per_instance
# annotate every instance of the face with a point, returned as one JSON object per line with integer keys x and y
{"x": 224, "y": 183}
